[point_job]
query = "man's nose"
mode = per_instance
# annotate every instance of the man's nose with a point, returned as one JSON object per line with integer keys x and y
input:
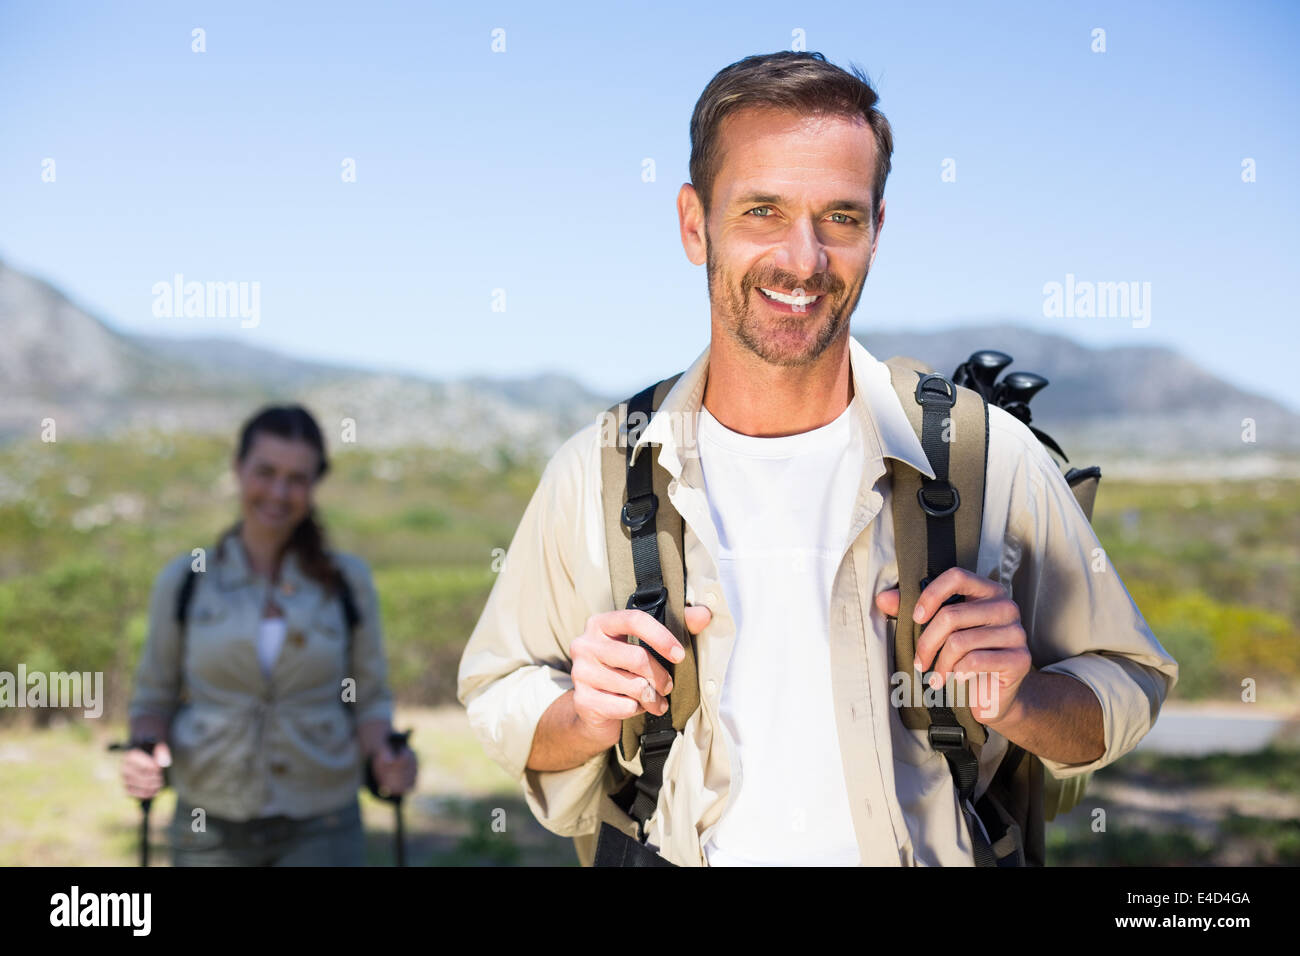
{"x": 802, "y": 252}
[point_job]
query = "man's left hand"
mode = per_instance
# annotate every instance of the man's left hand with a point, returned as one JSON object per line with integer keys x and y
{"x": 978, "y": 641}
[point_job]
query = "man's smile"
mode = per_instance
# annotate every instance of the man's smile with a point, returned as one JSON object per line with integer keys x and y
{"x": 789, "y": 304}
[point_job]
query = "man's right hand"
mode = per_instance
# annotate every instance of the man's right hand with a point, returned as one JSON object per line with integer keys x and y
{"x": 614, "y": 679}
{"x": 142, "y": 773}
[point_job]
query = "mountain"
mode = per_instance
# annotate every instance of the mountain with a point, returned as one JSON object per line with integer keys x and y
{"x": 60, "y": 361}
{"x": 1146, "y": 401}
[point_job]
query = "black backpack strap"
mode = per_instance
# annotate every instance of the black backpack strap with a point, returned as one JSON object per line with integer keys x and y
{"x": 184, "y": 596}
{"x": 940, "y": 501}
{"x": 651, "y": 596}
{"x": 350, "y": 612}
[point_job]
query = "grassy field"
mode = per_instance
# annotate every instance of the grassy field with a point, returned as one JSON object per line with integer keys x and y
{"x": 64, "y": 803}
{"x": 65, "y": 806}
{"x": 85, "y": 526}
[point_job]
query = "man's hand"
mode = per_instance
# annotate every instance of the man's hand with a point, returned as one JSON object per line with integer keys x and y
{"x": 979, "y": 641}
{"x": 613, "y": 679}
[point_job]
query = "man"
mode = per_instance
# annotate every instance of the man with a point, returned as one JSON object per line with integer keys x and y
{"x": 776, "y": 439}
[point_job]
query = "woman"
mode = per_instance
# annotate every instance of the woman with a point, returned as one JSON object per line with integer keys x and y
{"x": 263, "y": 677}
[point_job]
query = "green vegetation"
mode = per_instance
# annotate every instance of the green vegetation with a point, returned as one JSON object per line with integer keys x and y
{"x": 85, "y": 527}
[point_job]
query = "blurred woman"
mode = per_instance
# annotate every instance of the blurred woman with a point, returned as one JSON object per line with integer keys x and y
{"x": 263, "y": 678}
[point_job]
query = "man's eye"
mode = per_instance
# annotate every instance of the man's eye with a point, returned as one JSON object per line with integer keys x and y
{"x": 763, "y": 209}
{"x": 847, "y": 218}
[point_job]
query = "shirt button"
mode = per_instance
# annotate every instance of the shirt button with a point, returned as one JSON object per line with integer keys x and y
{"x": 711, "y": 686}
{"x": 710, "y": 598}
{"x": 279, "y": 769}
{"x": 672, "y": 487}
{"x": 287, "y": 588}
{"x": 297, "y": 639}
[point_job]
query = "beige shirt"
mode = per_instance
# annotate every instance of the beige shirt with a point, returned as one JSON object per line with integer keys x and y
{"x": 245, "y": 744}
{"x": 1036, "y": 542}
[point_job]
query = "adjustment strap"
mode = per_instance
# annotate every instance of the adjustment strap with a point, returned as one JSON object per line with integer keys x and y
{"x": 651, "y": 596}
{"x": 940, "y": 501}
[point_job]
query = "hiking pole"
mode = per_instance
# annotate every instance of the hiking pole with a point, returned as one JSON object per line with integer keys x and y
{"x": 981, "y": 369}
{"x": 396, "y": 740}
{"x": 1013, "y": 394}
{"x": 147, "y": 744}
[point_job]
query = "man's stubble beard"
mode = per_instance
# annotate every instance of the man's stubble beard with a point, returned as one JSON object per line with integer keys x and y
{"x": 747, "y": 328}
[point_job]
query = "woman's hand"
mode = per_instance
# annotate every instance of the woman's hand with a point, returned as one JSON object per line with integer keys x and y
{"x": 142, "y": 773}
{"x": 394, "y": 772}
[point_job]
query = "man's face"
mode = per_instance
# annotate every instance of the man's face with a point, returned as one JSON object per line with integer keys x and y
{"x": 791, "y": 214}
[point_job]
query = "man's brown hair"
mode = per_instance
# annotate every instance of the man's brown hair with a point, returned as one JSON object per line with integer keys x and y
{"x": 801, "y": 82}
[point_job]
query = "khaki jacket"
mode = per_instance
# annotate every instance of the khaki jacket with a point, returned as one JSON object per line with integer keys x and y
{"x": 244, "y": 746}
{"x": 1036, "y": 542}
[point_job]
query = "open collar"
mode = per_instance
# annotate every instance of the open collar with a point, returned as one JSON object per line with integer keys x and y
{"x": 888, "y": 432}
{"x": 234, "y": 571}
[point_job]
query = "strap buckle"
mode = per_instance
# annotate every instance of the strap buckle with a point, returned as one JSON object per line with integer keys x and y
{"x": 927, "y": 395}
{"x": 652, "y": 603}
{"x": 945, "y": 739}
{"x": 932, "y": 510}
{"x": 658, "y": 740}
{"x": 639, "y": 511}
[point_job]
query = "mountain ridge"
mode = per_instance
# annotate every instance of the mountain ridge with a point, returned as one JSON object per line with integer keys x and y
{"x": 65, "y": 362}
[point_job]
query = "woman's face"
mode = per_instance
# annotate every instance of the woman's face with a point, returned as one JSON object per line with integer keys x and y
{"x": 276, "y": 482}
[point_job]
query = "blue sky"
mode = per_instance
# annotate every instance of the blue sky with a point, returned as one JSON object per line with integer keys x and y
{"x": 521, "y": 171}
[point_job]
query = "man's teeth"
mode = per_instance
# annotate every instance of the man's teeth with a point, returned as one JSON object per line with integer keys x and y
{"x": 790, "y": 299}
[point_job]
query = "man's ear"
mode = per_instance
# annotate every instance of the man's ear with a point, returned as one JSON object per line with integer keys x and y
{"x": 690, "y": 218}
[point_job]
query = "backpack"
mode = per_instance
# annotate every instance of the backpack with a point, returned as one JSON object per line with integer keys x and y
{"x": 937, "y": 525}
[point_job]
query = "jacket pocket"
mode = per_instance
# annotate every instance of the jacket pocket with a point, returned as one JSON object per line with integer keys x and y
{"x": 210, "y": 749}
{"x": 323, "y": 742}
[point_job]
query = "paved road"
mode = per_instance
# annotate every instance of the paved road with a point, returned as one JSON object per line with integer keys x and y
{"x": 1194, "y": 732}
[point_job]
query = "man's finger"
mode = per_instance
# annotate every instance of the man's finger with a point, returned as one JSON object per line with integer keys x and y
{"x": 611, "y": 680}
{"x": 953, "y": 581}
{"x": 697, "y": 618}
{"x": 887, "y": 602}
{"x": 636, "y": 660}
{"x": 639, "y": 624}
{"x": 957, "y": 651}
{"x": 958, "y": 617}
{"x": 588, "y": 700}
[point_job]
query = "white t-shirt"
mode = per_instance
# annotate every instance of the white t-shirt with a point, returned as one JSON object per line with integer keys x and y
{"x": 270, "y": 639}
{"x": 782, "y": 508}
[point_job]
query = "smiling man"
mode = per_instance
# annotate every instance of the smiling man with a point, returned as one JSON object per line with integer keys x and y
{"x": 793, "y": 754}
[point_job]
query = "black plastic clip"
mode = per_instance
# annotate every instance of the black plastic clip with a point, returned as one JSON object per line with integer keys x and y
{"x": 639, "y": 511}
{"x": 944, "y": 739}
{"x": 927, "y": 396}
{"x": 933, "y": 511}
{"x": 652, "y": 603}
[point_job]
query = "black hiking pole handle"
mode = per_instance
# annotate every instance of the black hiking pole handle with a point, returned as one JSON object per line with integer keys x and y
{"x": 147, "y": 744}
{"x": 397, "y": 740}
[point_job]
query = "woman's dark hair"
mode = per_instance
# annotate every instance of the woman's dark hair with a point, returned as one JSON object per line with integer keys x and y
{"x": 295, "y": 423}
